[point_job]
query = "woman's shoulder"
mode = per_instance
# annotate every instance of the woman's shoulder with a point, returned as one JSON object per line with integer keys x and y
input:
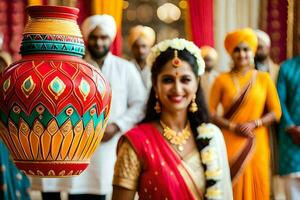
{"x": 263, "y": 75}
{"x": 140, "y": 128}
{"x": 224, "y": 76}
{"x": 208, "y": 130}
{"x": 144, "y": 125}
{"x": 140, "y": 134}
{"x": 213, "y": 133}
{"x": 210, "y": 126}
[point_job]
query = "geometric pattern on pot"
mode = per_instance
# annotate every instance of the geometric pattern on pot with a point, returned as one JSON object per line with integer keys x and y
{"x": 53, "y": 114}
{"x": 56, "y": 47}
{"x": 27, "y": 38}
{"x": 54, "y": 84}
{"x": 44, "y": 137}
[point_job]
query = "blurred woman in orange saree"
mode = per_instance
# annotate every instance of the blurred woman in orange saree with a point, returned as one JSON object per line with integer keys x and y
{"x": 250, "y": 103}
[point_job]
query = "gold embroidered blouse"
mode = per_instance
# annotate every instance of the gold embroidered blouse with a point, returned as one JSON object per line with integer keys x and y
{"x": 128, "y": 168}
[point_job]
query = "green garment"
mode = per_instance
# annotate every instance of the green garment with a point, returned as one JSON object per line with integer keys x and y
{"x": 288, "y": 86}
{"x": 14, "y": 185}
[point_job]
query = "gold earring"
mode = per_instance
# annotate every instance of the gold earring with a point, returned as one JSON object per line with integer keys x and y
{"x": 157, "y": 107}
{"x": 193, "y": 106}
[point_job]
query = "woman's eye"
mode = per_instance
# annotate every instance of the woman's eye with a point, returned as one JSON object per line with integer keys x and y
{"x": 167, "y": 80}
{"x": 237, "y": 49}
{"x": 185, "y": 80}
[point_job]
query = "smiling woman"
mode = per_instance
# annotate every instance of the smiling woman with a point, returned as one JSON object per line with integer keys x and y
{"x": 176, "y": 87}
{"x": 174, "y": 153}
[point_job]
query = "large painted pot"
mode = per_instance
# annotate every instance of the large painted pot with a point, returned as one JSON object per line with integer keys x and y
{"x": 53, "y": 106}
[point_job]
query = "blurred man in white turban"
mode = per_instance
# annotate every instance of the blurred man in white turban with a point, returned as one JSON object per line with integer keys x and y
{"x": 210, "y": 57}
{"x": 102, "y": 27}
{"x": 128, "y": 100}
{"x": 140, "y": 40}
{"x": 263, "y": 61}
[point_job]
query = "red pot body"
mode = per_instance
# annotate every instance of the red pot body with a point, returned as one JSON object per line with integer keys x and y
{"x": 53, "y": 105}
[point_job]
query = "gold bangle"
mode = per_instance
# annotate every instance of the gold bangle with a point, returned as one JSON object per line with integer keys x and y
{"x": 231, "y": 126}
{"x": 258, "y": 122}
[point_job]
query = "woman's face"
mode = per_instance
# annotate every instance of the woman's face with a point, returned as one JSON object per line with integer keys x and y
{"x": 175, "y": 87}
{"x": 242, "y": 55}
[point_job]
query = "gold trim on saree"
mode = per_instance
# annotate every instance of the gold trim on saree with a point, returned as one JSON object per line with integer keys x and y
{"x": 189, "y": 181}
{"x": 241, "y": 167}
{"x": 125, "y": 183}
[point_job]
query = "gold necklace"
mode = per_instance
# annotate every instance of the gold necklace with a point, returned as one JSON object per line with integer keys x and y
{"x": 236, "y": 82}
{"x": 178, "y": 139}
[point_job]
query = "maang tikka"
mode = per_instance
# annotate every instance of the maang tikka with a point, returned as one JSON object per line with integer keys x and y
{"x": 176, "y": 62}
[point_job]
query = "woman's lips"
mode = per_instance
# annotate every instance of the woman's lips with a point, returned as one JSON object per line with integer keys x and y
{"x": 176, "y": 99}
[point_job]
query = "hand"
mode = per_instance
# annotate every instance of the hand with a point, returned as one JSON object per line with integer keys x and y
{"x": 110, "y": 131}
{"x": 246, "y": 129}
{"x": 294, "y": 132}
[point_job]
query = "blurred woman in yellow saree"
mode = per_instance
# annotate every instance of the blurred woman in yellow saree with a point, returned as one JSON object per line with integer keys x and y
{"x": 250, "y": 103}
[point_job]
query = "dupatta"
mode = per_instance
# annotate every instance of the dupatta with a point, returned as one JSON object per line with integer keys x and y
{"x": 244, "y": 154}
{"x": 162, "y": 167}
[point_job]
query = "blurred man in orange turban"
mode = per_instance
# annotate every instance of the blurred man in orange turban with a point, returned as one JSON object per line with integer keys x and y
{"x": 140, "y": 40}
{"x": 210, "y": 57}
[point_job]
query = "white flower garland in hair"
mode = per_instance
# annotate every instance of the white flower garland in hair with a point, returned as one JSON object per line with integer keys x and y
{"x": 209, "y": 157}
{"x": 178, "y": 44}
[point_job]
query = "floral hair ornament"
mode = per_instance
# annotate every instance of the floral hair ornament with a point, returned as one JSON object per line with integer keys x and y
{"x": 177, "y": 44}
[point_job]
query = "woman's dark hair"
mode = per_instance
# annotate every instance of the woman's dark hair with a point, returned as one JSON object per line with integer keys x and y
{"x": 196, "y": 118}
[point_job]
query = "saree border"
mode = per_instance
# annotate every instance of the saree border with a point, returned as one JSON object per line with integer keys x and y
{"x": 240, "y": 97}
{"x": 184, "y": 172}
{"x": 237, "y": 165}
{"x": 241, "y": 160}
{"x": 189, "y": 181}
{"x": 187, "y": 178}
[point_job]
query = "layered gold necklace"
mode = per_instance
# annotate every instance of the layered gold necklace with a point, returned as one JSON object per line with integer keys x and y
{"x": 176, "y": 138}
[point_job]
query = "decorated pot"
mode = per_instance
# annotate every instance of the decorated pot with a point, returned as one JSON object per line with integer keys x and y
{"x": 53, "y": 105}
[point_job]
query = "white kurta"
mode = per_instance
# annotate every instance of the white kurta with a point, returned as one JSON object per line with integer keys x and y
{"x": 207, "y": 80}
{"x": 145, "y": 74}
{"x": 128, "y": 101}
